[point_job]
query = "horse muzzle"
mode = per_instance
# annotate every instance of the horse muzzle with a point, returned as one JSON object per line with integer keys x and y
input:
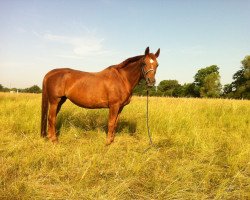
{"x": 150, "y": 82}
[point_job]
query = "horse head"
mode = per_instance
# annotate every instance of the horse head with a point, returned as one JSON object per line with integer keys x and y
{"x": 149, "y": 66}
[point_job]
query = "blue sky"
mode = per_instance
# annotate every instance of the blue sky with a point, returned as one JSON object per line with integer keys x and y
{"x": 37, "y": 36}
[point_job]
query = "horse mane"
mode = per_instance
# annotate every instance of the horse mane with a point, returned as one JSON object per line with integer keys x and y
{"x": 128, "y": 61}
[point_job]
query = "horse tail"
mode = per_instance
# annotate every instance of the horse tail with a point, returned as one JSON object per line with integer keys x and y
{"x": 45, "y": 106}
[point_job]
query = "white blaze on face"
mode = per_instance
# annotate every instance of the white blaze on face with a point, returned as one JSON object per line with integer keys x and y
{"x": 151, "y": 61}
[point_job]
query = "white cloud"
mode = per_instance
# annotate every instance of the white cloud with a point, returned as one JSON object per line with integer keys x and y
{"x": 81, "y": 46}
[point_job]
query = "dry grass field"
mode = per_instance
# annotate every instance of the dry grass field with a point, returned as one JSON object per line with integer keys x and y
{"x": 201, "y": 151}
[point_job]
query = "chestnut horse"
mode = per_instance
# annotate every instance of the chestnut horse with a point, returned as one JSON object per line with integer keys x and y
{"x": 111, "y": 88}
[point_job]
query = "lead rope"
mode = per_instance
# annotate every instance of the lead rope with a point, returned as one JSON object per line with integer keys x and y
{"x": 149, "y": 134}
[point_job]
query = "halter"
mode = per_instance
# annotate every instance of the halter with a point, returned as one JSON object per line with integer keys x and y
{"x": 146, "y": 72}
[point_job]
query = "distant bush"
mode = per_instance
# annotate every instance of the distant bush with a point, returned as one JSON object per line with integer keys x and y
{"x": 32, "y": 89}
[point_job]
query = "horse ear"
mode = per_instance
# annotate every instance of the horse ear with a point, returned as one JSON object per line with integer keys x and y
{"x": 157, "y": 53}
{"x": 147, "y": 51}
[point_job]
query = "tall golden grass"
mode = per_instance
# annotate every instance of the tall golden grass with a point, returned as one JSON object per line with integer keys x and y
{"x": 201, "y": 151}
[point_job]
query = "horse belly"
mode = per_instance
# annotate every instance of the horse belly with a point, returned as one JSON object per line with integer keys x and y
{"x": 89, "y": 97}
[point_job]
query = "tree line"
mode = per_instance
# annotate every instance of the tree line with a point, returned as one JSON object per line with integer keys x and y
{"x": 206, "y": 84}
{"x": 32, "y": 89}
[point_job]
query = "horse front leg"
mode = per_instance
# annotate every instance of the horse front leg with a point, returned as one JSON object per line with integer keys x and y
{"x": 114, "y": 112}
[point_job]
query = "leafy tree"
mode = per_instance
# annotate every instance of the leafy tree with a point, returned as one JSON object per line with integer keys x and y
{"x": 178, "y": 91}
{"x": 241, "y": 83}
{"x": 167, "y": 87}
{"x": 4, "y": 89}
{"x": 246, "y": 65}
{"x": 228, "y": 91}
{"x": 207, "y": 82}
{"x": 189, "y": 90}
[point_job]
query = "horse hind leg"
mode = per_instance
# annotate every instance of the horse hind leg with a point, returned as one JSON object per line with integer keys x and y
{"x": 52, "y": 122}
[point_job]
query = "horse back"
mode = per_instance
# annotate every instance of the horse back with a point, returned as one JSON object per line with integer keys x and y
{"x": 86, "y": 89}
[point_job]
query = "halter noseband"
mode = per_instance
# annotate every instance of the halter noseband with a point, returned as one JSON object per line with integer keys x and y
{"x": 145, "y": 72}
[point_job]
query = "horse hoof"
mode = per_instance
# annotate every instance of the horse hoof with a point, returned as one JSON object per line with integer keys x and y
{"x": 109, "y": 141}
{"x": 54, "y": 141}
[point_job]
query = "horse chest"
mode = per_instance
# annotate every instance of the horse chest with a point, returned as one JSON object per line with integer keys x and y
{"x": 127, "y": 100}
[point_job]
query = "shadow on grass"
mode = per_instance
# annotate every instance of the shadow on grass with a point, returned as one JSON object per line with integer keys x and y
{"x": 91, "y": 121}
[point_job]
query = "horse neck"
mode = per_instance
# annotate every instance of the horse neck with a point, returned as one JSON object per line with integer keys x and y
{"x": 131, "y": 74}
